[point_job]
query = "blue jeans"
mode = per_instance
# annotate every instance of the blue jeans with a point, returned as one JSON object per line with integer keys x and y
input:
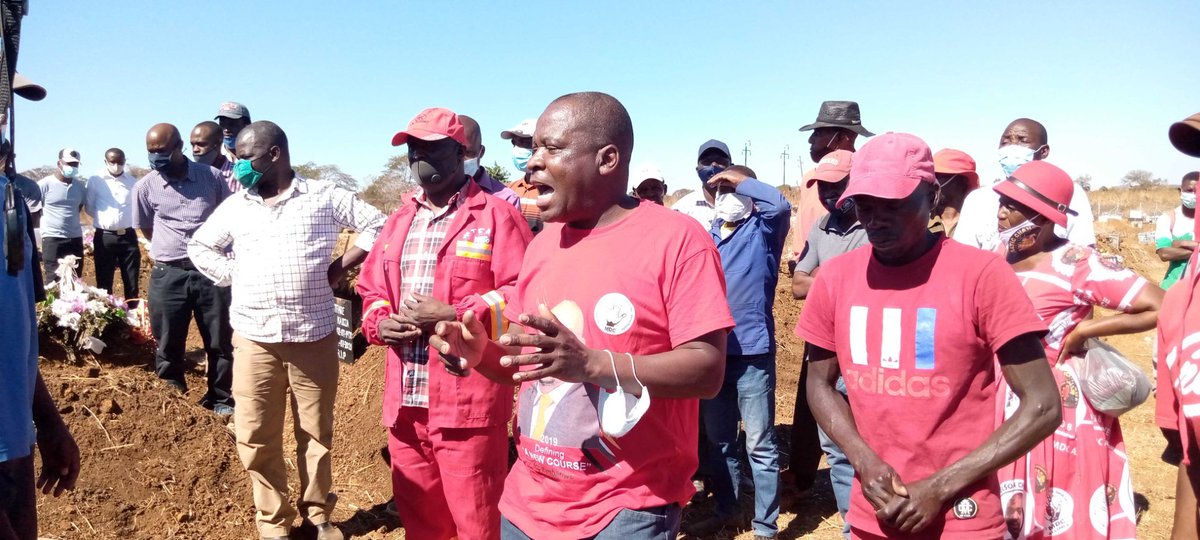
{"x": 660, "y": 523}
{"x": 841, "y": 472}
{"x": 749, "y": 393}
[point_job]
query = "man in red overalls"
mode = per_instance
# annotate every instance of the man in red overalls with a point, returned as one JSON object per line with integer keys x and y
{"x": 448, "y": 249}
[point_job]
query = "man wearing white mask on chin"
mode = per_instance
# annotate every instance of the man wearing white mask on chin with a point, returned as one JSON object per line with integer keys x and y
{"x": 751, "y": 226}
{"x": 473, "y": 155}
{"x": 62, "y": 198}
{"x": 1024, "y": 140}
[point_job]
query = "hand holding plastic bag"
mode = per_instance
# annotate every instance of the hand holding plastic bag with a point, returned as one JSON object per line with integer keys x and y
{"x": 1110, "y": 382}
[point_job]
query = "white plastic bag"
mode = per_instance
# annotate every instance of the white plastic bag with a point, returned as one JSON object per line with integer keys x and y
{"x": 1108, "y": 380}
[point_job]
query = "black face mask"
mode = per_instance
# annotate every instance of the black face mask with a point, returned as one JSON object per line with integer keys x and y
{"x": 159, "y": 161}
{"x": 426, "y": 173}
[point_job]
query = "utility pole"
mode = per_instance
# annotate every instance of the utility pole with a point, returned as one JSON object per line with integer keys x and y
{"x": 785, "y": 155}
{"x": 746, "y": 153}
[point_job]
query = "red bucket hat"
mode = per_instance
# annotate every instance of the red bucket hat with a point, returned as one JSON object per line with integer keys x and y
{"x": 890, "y": 166}
{"x": 1042, "y": 187}
{"x": 433, "y": 124}
{"x": 951, "y": 161}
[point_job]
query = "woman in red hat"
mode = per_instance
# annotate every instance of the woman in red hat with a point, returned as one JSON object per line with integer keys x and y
{"x": 1075, "y": 484}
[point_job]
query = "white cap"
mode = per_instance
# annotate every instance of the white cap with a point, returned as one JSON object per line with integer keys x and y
{"x": 647, "y": 171}
{"x": 524, "y": 129}
{"x": 69, "y": 155}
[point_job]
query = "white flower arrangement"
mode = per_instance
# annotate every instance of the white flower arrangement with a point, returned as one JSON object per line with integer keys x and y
{"x": 75, "y": 314}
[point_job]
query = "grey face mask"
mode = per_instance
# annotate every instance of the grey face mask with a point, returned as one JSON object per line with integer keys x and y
{"x": 206, "y": 159}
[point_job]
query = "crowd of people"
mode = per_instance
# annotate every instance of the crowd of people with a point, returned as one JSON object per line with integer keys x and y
{"x": 940, "y": 317}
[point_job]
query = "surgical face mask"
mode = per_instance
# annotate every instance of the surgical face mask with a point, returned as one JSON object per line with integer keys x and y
{"x": 732, "y": 207}
{"x": 70, "y": 171}
{"x": 1012, "y": 156}
{"x": 244, "y": 171}
{"x": 159, "y": 161}
{"x": 114, "y": 169}
{"x": 206, "y": 158}
{"x": 521, "y": 157}
{"x": 229, "y": 142}
{"x": 707, "y": 172}
{"x": 471, "y": 166}
{"x": 620, "y": 412}
{"x": 1015, "y": 237}
{"x": 1188, "y": 200}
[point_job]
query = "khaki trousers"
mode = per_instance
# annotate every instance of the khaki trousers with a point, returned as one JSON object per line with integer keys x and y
{"x": 262, "y": 373}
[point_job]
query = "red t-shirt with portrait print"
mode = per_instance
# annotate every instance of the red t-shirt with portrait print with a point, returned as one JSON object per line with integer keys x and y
{"x": 643, "y": 285}
{"x": 915, "y": 344}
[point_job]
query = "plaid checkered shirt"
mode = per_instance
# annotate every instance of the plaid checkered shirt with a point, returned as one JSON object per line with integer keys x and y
{"x": 418, "y": 265}
{"x": 280, "y": 280}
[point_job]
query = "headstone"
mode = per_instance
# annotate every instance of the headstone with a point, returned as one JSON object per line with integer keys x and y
{"x": 350, "y": 345}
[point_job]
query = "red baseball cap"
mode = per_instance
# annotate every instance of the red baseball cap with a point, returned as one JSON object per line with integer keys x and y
{"x": 890, "y": 166}
{"x": 433, "y": 124}
{"x": 951, "y": 161}
{"x": 1042, "y": 187}
{"x": 832, "y": 168}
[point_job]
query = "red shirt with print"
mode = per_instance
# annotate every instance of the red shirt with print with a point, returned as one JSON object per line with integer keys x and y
{"x": 915, "y": 344}
{"x": 644, "y": 285}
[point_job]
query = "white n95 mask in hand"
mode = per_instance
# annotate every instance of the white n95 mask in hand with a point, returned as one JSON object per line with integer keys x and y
{"x": 620, "y": 411}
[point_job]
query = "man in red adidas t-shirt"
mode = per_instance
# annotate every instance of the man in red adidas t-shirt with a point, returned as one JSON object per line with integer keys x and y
{"x": 912, "y": 322}
{"x": 625, "y": 321}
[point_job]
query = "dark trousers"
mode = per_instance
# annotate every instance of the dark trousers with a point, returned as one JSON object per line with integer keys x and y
{"x": 18, "y": 499}
{"x": 54, "y": 249}
{"x": 179, "y": 292}
{"x": 113, "y": 251}
{"x": 806, "y": 441}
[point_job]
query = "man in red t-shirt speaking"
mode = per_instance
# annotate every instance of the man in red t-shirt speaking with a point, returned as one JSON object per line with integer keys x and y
{"x": 620, "y": 308}
{"x": 912, "y": 322}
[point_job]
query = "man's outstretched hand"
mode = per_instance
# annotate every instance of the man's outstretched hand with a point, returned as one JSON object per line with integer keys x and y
{"x": 560, "y": 353}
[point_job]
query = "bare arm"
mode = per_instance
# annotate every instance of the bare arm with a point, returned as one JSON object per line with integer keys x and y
{"x": 1023, "y": 362}
{"x": 1179, "y": 250}
{"x": 833, "y": 414}
{"x": 802, "y": 282}
{"x": 353, "y": 257}
{"x": 1142, "y": 315}
{"x": 60, "y": 455}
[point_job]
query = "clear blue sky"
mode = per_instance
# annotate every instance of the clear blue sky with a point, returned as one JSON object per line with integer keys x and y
{"x": 1106, "y": 78}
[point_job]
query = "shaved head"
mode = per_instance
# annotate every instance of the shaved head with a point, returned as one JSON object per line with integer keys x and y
{"x": 207, "y": 131}
{"x": 264, "y": 132}
{"x": 601, "y": 120}
{"x": 471, "y": 130}
{"x": 1034, "y": 130}
{"x": 164, "y": 136}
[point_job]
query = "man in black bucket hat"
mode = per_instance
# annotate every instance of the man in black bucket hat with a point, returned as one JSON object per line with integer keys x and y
{"x": 838, "y": 124}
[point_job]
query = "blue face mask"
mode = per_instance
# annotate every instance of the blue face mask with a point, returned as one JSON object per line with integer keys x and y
{"x": 1012, "y": 156}
{"x": 159, "y": 161}
{"x": 229, "y": 142}
{"x": 521, "y": 157}
{"x": 707, "y": 172}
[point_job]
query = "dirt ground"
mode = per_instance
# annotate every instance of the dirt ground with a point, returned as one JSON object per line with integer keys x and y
{"x": 157, "y": 465}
